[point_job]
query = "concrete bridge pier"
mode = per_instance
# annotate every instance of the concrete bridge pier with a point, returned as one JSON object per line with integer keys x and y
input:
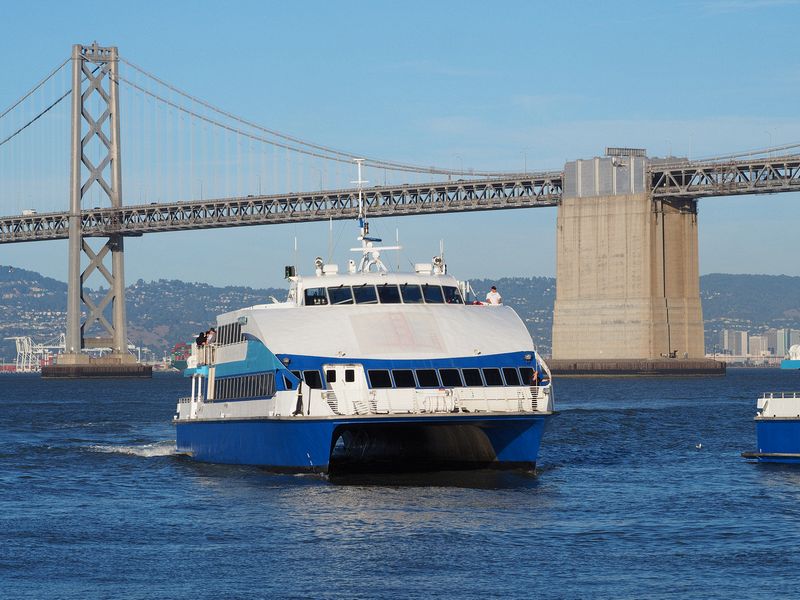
{"x": 628, "y": 291}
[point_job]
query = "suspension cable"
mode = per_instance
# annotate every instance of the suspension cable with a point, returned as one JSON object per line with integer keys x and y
{"x": 749, "y": 153}
{"x": 342, "y": 155}
{"x": 36, "y": 87}
{"x": 34, "y": 119}
{"x": 233, "y": 117}
{"x": 345, "y": 159}
{"x": 712, "y": 161}
{"x": 46, "y": 110}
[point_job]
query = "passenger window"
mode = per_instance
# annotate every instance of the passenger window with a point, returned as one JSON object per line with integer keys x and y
{"x": 472, "y": 377}
{"x": 450, "y": 377}
{"x": 511, "y": 376}
{"x": 298, "y": 374}
{"x": 379, "y": 378}
{"x": 432, "y": 293}
{"x": 452, "y": 295}
{"x": 349, "y": 375}
{"x": 312, "y": 379}
{"x": 412, "y": 294}
{"x": 340, "y": 295}
{"x": 315, "y": 296}
{"x": 404, "y": 378}
{"x": 427, "y": 378}
{"x": 492, "y": 377}
{"x": 330, "y": 375}
{"x": 365, "y": 294}
{"x": 389, "y": 293}
{"x": 527, "y": 375}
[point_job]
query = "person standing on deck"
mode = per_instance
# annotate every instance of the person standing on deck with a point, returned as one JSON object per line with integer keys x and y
{"x": 493, "y": 297}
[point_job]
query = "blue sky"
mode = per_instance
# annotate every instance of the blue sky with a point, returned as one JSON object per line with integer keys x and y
{"x": 502, "y": 85}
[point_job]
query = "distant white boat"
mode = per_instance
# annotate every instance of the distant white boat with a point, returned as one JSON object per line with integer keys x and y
{"x": 777, "y": 428}
{"x": 792, "y": 360}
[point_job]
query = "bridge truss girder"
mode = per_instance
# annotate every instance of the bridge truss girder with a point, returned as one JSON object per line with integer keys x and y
{"x": 386, "y": 201}
{"x": 686, "y": 180}
{"x": 695, "y": 180}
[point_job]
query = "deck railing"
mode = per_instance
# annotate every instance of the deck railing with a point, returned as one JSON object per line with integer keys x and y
{"x": 203, "y": 355}
{"x": 431, "y": 401}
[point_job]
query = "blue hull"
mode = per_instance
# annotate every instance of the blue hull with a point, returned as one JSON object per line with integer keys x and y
{"x": 307, "y": 444}
{"x": 790, "y": 364}
{"x": 778, "y": 441}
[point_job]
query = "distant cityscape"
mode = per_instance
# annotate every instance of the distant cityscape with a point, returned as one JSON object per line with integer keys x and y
{"x": 756, "y": 347}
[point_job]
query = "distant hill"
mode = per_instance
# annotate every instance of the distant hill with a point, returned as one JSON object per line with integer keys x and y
{"x": 160, "y": 313}
{"x": 751, "y": 303}
{"x": 163, "y": 312}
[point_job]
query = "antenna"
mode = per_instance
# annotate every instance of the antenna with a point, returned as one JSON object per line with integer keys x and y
{"x": 362, "y": 215}
{"x": 370, "y": 254}
{"x": 330, "y": 239}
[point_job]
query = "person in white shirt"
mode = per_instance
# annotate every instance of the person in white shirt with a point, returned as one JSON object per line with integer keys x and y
{"x": 493, "y": 297}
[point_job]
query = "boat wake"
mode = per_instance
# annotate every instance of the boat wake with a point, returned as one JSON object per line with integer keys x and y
{"x": 165, "y": 448}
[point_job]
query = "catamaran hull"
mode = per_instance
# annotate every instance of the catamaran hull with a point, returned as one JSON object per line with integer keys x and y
{"x": 367, "y": 443}
{"x": 778, "y": 440}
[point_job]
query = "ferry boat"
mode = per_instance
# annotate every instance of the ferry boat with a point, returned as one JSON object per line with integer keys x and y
{"x": 777, "y": 428}
{"x": 367, "y": 370}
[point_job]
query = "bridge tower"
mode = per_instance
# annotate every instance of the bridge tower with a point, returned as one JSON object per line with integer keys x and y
{"x": 628, "y": 288}
{"x": 95, "y": 164}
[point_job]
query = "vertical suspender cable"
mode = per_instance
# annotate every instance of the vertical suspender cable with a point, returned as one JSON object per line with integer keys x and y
{"x": 262, "y": 170}
{"x": 169, "y": 150}
{"x": 227, "y": 166}
{"x": 239, "y": 165}
{"x": 274, "y": 187}
{"x": 155, "y": 151}
{"x": 191, "y": 159}
{"x": 288, "y": 173}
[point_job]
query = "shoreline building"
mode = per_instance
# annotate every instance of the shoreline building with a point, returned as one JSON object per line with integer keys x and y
{"x": 773, "y": 343}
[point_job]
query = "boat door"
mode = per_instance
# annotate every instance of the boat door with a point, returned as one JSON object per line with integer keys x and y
{"x": 349, "y": 383}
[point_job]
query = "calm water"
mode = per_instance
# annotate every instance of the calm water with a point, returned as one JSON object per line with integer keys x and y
{"x": 624, "y": 504}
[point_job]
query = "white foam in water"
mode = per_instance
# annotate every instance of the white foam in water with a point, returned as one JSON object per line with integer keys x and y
{"x": 145, "y": 450}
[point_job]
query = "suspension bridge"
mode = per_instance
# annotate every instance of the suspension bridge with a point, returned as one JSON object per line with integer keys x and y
{"x": 627, "y": 239}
